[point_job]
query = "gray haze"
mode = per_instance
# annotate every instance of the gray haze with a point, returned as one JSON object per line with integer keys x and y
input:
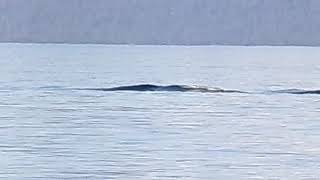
{"x": 196, "y": 22}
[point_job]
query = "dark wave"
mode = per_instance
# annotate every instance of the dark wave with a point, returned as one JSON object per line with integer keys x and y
{"x": 297, "y": 91}
{"x": 185, "y": 88}
{"x": 178, "y": 88}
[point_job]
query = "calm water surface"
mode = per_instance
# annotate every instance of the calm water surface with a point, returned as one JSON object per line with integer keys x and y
{"x": 51, "y": 131}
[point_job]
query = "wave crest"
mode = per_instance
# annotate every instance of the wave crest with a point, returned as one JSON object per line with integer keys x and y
{"x": 202, "y": 89}
{"x": 179, "y": 88}
{"x": 297, "y": 91}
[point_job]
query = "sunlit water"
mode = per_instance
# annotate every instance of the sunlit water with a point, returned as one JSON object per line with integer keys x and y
{"x": 50, "y": 130}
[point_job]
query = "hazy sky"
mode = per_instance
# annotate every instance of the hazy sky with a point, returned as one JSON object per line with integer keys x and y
{"x": 238, "y": 22}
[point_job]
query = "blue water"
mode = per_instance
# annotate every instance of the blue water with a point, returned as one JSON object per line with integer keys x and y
{"x": 51, "y": 129}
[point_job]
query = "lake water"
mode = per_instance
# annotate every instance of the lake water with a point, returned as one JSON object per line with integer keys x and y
{"x": 51, "y": 130}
